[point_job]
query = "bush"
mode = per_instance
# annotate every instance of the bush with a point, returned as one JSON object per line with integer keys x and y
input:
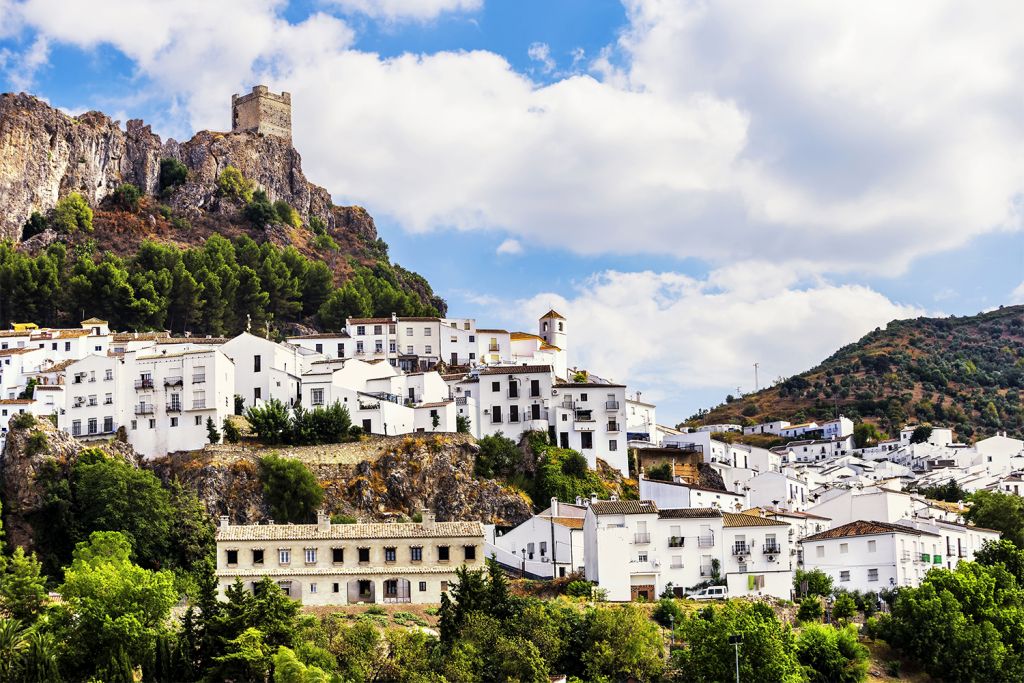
{"x": 579, "y": 589}
{"x": 462, "y": 424}
{"x": 292, "y": 492}
{"x": 35, "y": 224}
{"x": 668, "y": 612}
{"x": 126, "y": 197}
{"x": 831, "y": 655}
{"x": 270, "y": 421}
{"x": 325, "y": 243}
{"x": 574, "y": 465}
{"x": 498, "y": 456}
{"x": 37, "y": 443}
{"x": 845, "y": 606}
{"x": 317, "y": 225}
{"x": 341, "y": 518}
{"x": 662, "y": 472}
{"x": 355, "y": 431}
{"x": 231, "y": 433}
{"x": 72, "y": 214}
{"x": 172, "y": 174}
{"x": 818, "y": 582}
{"x": 23, "y": 420}
{"x": 231, "y": 183}
{"x": 259, "y": 211}
{"x": 286, "y": 214}
{"x": 810, "y": 610}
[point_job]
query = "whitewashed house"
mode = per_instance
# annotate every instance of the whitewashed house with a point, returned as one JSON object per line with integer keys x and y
{"x": 549, "y": 544}
{"x": 265, "y": 370}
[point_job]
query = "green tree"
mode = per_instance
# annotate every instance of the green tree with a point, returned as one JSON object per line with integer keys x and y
{"x": 818, "y": 582}
{"x": 497, "y": 456}
{"x": 40, "y": 658}
{"x": 921, "y": 434}
{"x": 1003, "y": 512}
{"x": 12, "y": 647}
{"x": 270, "y": 422}
{"x": 290, "y": 489}
{"x": 72, "y": 214}
{"x": 111, "y": 607}
{"x": 844, "y": 607}
{"x": 831, "y": 655}
{"x": 1002, "y": 553}
{"x": 289, "y": 669}
{"x": 212, "y": 435}
{"x": 286, "y": 214}
{"x": 810, "y": 609}
{"x": 462, "y": 424}
{"x": 126, "y": 196}
{"x": 866, "y": 434}
{"x": 231, "y": 183}
{"x": 259, "y": 211}
{"x": 172, "y": 174}
{"x": 23, "y": 588}
{"x": 622, "y": 643}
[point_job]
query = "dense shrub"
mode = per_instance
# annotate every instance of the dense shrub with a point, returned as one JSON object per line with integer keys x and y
{"x": 126, "y": 196}
{"x": 231, "y": 183}
{"x": 172, "y": 174}
{"x": 72, "y": 214}
{"x": 286, "y": 214}
{"x": 498, "y": 456}
{"x": 831, "y": 655}
{"x": 290, "y": 489}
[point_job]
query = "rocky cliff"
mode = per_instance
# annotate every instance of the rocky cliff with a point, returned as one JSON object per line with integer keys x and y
{"x": 46, "y": 154}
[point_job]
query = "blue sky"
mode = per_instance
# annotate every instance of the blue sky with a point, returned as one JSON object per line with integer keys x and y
{"x": 697, "y": 187}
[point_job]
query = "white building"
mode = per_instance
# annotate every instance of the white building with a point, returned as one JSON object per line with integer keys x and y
{"x": 940, "y": 436}
{"x": 548, "y": 544}
{"x": 775, "y": 489}
{"x": 774, "y": 427}
{"x": 265, "y": 370}
{"x": 674, "y": 494}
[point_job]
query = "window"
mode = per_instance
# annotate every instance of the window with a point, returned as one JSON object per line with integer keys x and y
{"x": 359, "y": 347}
{"x": 442, "y": 553}
{"x": 232, "y": 557}
{"x": 416, "y": 554}
{"x": 586, "y": 440}
{"x": 257, "y": 393}
{"x": 310, "y": 555}
{"x": 423, "y": 586}
{"x": 312, "y": 588}
{"x": 641, "y": 557}
{"x": 378, "y": 346}
{"x": 284, "y": 556}
{"x": 844, "y": 575}
{"x": 393, "y": 347}
{"x": 495, "y": 386}
{"x": 444, "y": 586}
{"x": 317, "y": 397}
{"x": 872, "y": 575}
{"x": 76, "y": 428}
{"x": 427, "y": 349}
{"x": 844, "y": 548}
{"x": 408, "y": 332}
{"x": 470, "y": 552}
{"x": 613, "y": 445}
{"x": 108, "y": 424}
{"x": 360, "y": 329}
{"x": 135, "y": 424}
{"x": 337, "y": 555}
{"x": 199, "y": 420}
{"x": 335, "y": 587}
{"x": 819, "y": 551}
{"x": 257, "y": 363}
{"x": 472, "y": 338}
{"x": 152, "y": 424}
{"x": 174, "y": 422}
{"x": 389, "y": 554}
{"x": 341, "y": 350}
{"x": 378, "y": 329}
{"x": 93, "y": 425}
{"x": 364, "y": 555}
{"x": 872, "y": 546}
{"x": 108, "y": 374}
{"x": 257, "y": 556}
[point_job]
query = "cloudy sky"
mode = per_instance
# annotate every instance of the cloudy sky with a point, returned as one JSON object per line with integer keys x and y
{"x": 697, "y": 186}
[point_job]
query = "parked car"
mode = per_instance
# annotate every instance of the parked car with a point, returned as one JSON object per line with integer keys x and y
{"x": 711, "y": 593}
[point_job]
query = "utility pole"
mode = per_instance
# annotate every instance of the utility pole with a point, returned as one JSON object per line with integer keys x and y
{"x": 736, "y": 640}
{"x": 757, "y": 386}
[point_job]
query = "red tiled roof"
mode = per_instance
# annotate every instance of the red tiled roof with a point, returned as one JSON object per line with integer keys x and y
{"x": 865, "y": 528}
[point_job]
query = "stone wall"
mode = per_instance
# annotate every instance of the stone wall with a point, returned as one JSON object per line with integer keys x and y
{"x": 261, "y": 111}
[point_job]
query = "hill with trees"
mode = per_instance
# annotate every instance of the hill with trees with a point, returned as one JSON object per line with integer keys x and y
{"x": 964, "y": 372}
{"x": 208, "y": 236}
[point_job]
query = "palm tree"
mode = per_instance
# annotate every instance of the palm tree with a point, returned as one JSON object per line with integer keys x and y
{"x": 39, "y": 661}
{"x": 12, "y": 644}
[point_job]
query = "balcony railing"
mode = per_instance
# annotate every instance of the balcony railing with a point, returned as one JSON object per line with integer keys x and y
{"x": 740, "y": 549}
{"x": 641, "y": 538}
{"x": 173, "y": 381}
{"x": 676, "y": 541}
{"x": 676, "y": 565}
{"x": 199, "y": 404}
{"x": 613, "y": 426}
{"x": 584, "y": 416}
{"x": 144, "y": 383}
{"x": 173, "y": 408}
{"x": 198, "y": 379}
{"x": 706, "y": 541}
{"x": 611, "y": 405}
{"x": 905, "y": 556}
{"x": 772, "y": 548}
{"x": 144, "y": 409}
{"x": 492, "y": 347}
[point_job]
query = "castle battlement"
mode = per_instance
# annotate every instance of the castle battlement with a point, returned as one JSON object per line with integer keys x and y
{"x": 262, "y": 111}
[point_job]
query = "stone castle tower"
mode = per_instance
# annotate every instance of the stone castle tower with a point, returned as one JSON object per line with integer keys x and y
{"x": 261, "y": 111}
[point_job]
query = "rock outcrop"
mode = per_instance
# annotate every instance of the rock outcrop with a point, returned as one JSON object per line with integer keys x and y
{"x": 46, "y": 154}
{"x": 22, "y": 460}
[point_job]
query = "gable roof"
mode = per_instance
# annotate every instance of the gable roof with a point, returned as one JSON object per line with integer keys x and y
{"x": 552, "y": 314}
{"x": 624, "y": 507}
{"x": 689, "y": 513}
{"x": 865, "y": 528}
{"x": 742, "y": 519}
{"x": 514, "y": 369}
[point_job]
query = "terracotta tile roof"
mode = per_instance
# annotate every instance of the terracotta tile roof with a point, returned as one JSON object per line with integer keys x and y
{"x": 309, "y": 532}
{"x": 139, "y": 336}
{"x": 524, "y": 336}
{"x": 68, "y": 334}
{"x": 734, "y": 519}
{"x": 15, "y": 333}
{"x": 553, "y": 314}
{"x": 592, "y": 385}
{"x": 419, "y": 319}
{"x": 48, "y": 387}
{"x": 783, "y": 513}
{"x": 18, "y": 351}
{"x": 193, "y": 340}
{"x": 624, "y": 507}
{"x": 515, "y": 369}
{"x": 481, "y": 329}
{"x": 302, "y": 570}
{"x": 689, "y": 513}
{"x": 16, "y": 401}
{"x": 94, "y": 321}
{"x": 865, "y": 528}
{"x": 369, "y": 321}
{"x": 57, "y": 367}
{"x": 451, "y": 376}
{"x": 570, "y": 522}
{"x": 549, "y": 347}
{"x": 435, "y": 404}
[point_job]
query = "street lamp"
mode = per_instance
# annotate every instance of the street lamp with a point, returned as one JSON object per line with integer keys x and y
{"x": 671, "y": 631}
{"x": 735, "y": 640}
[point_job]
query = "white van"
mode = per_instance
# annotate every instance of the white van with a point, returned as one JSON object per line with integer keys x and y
{"x": 711, "y": 593}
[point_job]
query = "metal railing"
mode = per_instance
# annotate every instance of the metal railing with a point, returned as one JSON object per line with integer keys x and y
{"x": 706, "y": 541}
{"x": 613, "y": 426}
{"x": 641, "y": 538}
{"x": 144, "y": 383}
{"x": 173, "y": 408}
{"x": 198, "y": 379}
{"x": 676, "y": 541}
{"x": 144, "y": 409}
{"x": 584, "y": 416}
{"x": 772, "y": 548}
{"x": 492, "y": 347}
{"x": 199, "y": 404}
{"x": 740, "y": 549}
{"x": 173, "y": 381}
{"x": 611, "y": 405}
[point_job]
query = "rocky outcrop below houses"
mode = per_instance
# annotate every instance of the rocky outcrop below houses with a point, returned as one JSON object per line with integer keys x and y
{"x": 25, "y": 457}
{"x": 375, "y": 479}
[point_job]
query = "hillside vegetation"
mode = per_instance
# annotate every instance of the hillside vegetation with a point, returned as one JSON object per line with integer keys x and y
{"x": 965, "y": 372}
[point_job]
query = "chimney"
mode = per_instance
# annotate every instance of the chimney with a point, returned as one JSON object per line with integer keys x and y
{"x": 428, "y": 519}
{"x": 593, "y": 497}
{"x": 613, "y": 497}
{"x": 323, "y": 521}
{"x": 579, "y": 500}
{"x": 223, "y": 521}
{"x": 554, "y": 506}
{"x": 270, "y": 522}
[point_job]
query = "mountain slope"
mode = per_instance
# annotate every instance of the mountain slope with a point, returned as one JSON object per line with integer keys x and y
{"x": 47, "y": 156}
{"x": 967, "y": 372}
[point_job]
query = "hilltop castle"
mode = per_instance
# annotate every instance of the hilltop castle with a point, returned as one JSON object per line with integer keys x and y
{"x": 261, "y": 111}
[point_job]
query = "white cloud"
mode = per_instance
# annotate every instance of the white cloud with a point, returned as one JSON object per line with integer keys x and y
{"x": 510, "y": 247}
{"x": 1017, "y": 295}
{"x": 20, "y": 69}
{"x": 418, "y": 10}
{"x": 541, "y": 53}
{"x": 668, "y": 333}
